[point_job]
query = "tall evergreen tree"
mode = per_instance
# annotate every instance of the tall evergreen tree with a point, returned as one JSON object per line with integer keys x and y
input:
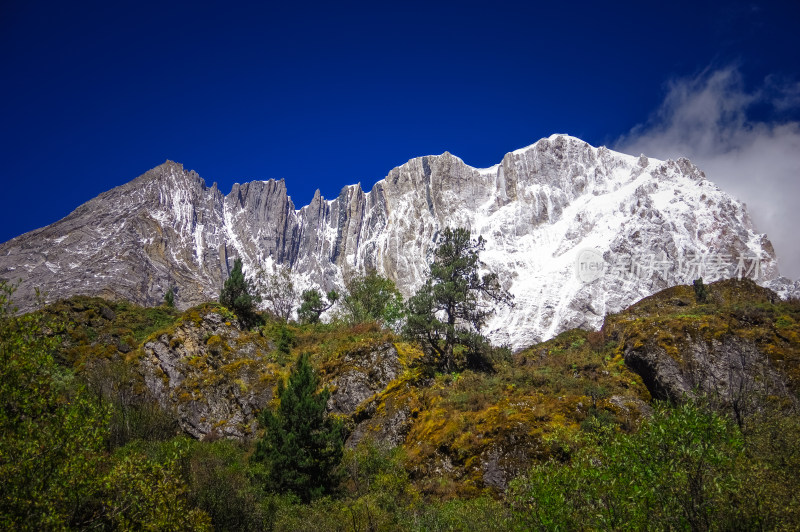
{"x": 237, "y": 295}
{"x": 169, "y": 298}
{"x": 452, "y": 306}
{"x": 700, "y": 291}
{"x": 302, "y": 446}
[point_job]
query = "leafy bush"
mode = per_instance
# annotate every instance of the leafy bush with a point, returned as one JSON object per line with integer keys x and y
{"x": 372, "y": 297}
{"x": 134, "y": 412}
{"x": 219, "y": 482}
{"x": 51, "y": 431}
{"x": 478, "y": 514}
{"x": 142, "y": 494}
{"x": 679, "y": 471}
{"x": 53, "y": 438}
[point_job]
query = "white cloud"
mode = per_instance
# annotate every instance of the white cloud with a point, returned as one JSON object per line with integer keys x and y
{"x": 708, "y": 119}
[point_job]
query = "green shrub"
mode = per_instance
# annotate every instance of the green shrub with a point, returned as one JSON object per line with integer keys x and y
{"x": 53, "y": 439}
{"x": 219, "y": 483}
{"x": 480, "y": 514}
{"x": 51, "y": 430}
{"x": 372, "y": 297}
{"x": 678, "y": 472}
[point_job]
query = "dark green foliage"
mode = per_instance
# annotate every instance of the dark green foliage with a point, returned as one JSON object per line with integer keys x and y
{"x": 313, "y": 306}
{"x": 54, "y": 466}
{"x": 238, "y": 295}
{"x": 218, "y": 476}
{"x": 371, "y": 297}
{"x": 143, "y": 322}
{"x": 687, "y": 468}
{"x": 285, "y": 342}
{"x": 452, "y": 306}
{"x": 169, "y": 298}
{"x": 700, "y": 291}
{"x": 302, "y": 445}
{"x": 134, "y": 413}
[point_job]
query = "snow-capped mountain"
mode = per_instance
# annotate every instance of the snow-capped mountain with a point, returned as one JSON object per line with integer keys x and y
{"x": 573, "y": 231}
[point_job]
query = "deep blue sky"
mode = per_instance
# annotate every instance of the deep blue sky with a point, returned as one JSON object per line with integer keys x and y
{"x": 324, "y": 95}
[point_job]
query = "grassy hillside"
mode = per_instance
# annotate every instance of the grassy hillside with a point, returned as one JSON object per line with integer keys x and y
{"x": 531, "y": 443}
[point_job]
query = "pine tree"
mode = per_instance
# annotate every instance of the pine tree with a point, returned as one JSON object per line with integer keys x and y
{"x": 312, "y": 307}
{"x": 451, "y": 307}
{"x": 237, "y": 295}
{"x": 302, "y": 446}
{"x": 700, "y": 291}
{"x": 169, "y": 298}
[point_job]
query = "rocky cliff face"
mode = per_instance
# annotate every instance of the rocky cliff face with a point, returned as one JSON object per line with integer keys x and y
{"x": 573, "y": 231}
{"x": 740, "y": 350}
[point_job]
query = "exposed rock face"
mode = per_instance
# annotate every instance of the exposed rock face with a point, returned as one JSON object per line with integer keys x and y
{"x": 214, "y": 376}
{"x": 651, "y": 224}
{"x": 722, "y": 368}
{"x": 738, "y": 354}
{"x": 500, "y": 464}
{"x": 366, "y": 373}
{"x": 387, "y": 423}
{"x": 470, "y": 429}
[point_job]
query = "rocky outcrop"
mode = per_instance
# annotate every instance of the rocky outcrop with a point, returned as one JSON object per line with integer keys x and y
{"x": 728, "y": 368}
{"x": 645, "y": 225}
{"x": 365, "y": 373}
{"x": 738, "y": 350}
{"x": 215, "y": 377}
{"x": 461, "y": 432}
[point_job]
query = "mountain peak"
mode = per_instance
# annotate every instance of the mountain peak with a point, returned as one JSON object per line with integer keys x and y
{"x": 547, "y": 212}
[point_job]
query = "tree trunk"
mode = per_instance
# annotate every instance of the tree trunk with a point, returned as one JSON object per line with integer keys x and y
{"x": 449, "y": 338}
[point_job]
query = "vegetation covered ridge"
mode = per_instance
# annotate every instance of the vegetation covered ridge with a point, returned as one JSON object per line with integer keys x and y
{"x": 680, "y": 413}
